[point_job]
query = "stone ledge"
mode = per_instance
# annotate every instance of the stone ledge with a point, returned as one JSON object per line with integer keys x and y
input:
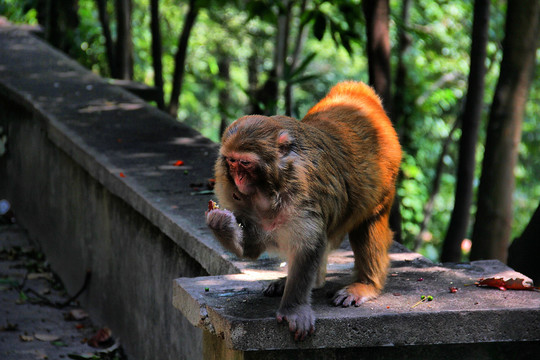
{"x": 235, "y": 310}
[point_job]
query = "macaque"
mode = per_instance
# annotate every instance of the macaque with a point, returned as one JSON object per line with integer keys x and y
{"x": 298, "y": 187}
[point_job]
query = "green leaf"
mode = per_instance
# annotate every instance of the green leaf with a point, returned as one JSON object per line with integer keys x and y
{"x": 22, "y": 296}
{"x": 306, "y": 17}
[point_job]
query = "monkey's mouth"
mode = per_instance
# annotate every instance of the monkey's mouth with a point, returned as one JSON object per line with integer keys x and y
{"x": 241, "y": 180}
{"x": 235, "y": 197}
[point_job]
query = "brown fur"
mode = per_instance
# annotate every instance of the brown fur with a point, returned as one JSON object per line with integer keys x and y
{"x": 300, "y": 187}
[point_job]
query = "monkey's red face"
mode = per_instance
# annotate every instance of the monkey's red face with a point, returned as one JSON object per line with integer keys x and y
{"x": 242, "y": 169}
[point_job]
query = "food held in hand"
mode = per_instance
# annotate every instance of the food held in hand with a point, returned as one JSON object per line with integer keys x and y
{"x": 212, "y": 205}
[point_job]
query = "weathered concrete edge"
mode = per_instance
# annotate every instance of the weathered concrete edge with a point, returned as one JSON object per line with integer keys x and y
{"x": 441, "y": 327}
{"x": 423, "y": 328}
{"x": 212, "y": 258}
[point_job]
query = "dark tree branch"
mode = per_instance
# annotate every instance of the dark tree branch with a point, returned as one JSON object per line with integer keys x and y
{"x": 470, "y": 120}
{"x": 180, "y": 57}
{"x": 109, "y": 43}
{"x": 523, "y": 253}
{"x": 492, "y": 229}
{"x": 436, "y": 186}
{"x": 157, "y": 51}
{"x": 377, "y": 14}
{"x": 124, "y": 43}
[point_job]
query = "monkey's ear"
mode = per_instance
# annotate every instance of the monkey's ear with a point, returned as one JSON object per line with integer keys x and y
{"x": 284, "y": 142}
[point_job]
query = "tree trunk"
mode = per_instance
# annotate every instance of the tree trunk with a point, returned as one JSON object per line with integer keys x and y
{"x": 436, "y": 186}
{"x": 253, "y": 79}
{"x": 377, "y": 14}
{"x": 224, "y": 74}
{"x": 180, "y": 57}
{"x": 109, "y": 43}
{"x": 124, "y": 43}
{"x": 62, "y": 20}
{"x": 492, "y": 229}
{"x": 523, "y": 253}
{"x": 470, "y": 121}
{"x": 282, "y": 37}
{"x": 266, "y": 97}
{"x": 399, "y": 115}
{"x": 157, "y": 51}
{"x": 298, "y": 45}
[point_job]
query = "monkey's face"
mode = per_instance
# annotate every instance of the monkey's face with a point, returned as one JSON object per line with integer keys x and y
{"x": 242, "y": 169}
{"x": 252, "y": 149}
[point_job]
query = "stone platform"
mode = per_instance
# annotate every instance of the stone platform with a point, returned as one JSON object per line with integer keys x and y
{"x": 233, "y": 308}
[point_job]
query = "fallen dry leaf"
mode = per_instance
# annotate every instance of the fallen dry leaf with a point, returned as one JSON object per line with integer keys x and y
{"x": 46, "y": 276}
{"x": 76, "y": 314}
{"x": 47, "y": 337}
{"x": 26, "y": 338}
{"x": 505, "y": 284}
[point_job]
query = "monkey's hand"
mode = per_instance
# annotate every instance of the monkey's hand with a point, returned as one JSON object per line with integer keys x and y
{"x": 301, "y": 320}
{"x": 226, "y": 229}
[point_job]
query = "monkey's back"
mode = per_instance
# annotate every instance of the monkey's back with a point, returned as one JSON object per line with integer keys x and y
{"x": 366, "y": 150}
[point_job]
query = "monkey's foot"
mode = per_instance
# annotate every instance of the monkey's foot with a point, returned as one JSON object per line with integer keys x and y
{"x": 276, "y": 287}
{"x": 356, "y": 293}
{"x": 301, "y": 320}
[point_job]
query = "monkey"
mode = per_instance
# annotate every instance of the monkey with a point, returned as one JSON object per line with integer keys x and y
{"x": 299, "y": 187}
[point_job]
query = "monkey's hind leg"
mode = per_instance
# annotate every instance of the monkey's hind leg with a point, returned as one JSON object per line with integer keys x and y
{"x": 370, "y": 242}
{"x": 276, "y": 287}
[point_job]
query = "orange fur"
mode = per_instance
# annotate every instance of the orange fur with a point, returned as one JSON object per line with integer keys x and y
{"x": 354, "y": 112}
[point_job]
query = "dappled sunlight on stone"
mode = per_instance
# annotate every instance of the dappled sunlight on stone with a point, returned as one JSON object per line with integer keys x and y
{"x": 110, "y": 106}
{"x": 187, "y": 141}
{"x": 405, "y": 256}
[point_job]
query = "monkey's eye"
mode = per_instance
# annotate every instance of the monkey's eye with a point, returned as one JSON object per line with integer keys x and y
{"x": 245, "y": 162}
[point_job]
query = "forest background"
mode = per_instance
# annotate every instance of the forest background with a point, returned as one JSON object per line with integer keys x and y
{"x": 209, "y": 62}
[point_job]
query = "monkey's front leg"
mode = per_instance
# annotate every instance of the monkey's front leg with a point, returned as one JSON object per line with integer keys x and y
{"x": 295, "y": 304}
